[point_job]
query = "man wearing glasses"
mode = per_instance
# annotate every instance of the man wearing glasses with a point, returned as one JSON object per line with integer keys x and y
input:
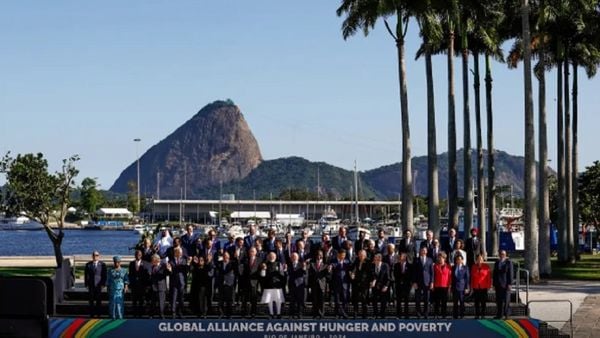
{"x": 95, "y": 279}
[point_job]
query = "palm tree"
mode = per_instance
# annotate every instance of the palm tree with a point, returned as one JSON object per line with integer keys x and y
{"x": 465, "y": 23}
{"x": 363, "y": 14}
{"x": 531, "y": 254}
{"x": 431, "y": 32}
{"x": 451, "y": 21}
{"x": 484, "y": 40}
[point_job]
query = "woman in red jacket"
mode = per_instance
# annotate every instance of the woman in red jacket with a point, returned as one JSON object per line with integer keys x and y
{"x": 481, "y": 282}
{"x": 442, "y": 279}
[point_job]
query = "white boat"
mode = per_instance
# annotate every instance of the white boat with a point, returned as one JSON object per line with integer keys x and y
{"x": 142, "y": 229}
{"x": 329, "y": 221}
{"x": 19, "y": 223}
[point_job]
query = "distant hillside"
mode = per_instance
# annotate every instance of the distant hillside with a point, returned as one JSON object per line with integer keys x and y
{"x": 275, "y": 176}
{"x": 387, "y": 181}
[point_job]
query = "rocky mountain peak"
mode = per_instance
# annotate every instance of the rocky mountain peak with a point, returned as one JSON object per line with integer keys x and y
{"x": 215, "y": 145}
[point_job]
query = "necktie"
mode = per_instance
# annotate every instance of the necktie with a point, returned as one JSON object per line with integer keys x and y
{"x": 318, "y": 266}
{"x": 377, "y": 270}
{"x": 403, "y": 267}
{"x": 423, "y": 261}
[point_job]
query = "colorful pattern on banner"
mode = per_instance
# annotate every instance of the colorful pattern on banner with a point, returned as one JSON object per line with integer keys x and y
{"x": 80, "y": 327}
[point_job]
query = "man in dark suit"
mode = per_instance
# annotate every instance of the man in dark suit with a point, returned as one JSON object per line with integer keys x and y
{"x": 380, "y": 286}
{"x": 95, "y": 280}
{"x": 460, "y": 286}
{"x": 428, "y": 243}
{"x": 318, "y": 275}
{"x": 381, "y": 241}
{"x": 249, "y": 281}
{"x": 423, "y": 281}
{"x": 473, "y": 247}
{"x": 269, "y": 242}
{"x": 502, "y": 279}
{"x": 249, "y": 240}
{"x": 237, "y": 251}
{"x": 178, "y": 268}
{"x": 358, "y": 244}
{"x": 338, "y": 241}
{"x": 448, "y": 243}
{"x": 361, "y": 275}
{"x": 225, "y": 281}
{"x": 188, "y": 241}
{"x": 303, "y": 254}
{"x": 297, "y": 285}
{"x": 138, "y": 283}
{"x": 309, "y": 246}
{"x": 340, "y": 283}
{"x": 158, "y": 286}
{"x": 407, "y": 245}
{"x": 403, "y": 283}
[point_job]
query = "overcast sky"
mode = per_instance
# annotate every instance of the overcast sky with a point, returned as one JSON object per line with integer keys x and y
{"x": 87, "y": 77}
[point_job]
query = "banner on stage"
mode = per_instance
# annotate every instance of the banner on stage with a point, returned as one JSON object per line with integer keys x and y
{"x": 69, "y": 327}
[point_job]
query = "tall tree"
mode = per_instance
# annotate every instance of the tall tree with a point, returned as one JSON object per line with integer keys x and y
{"x": 531, "y": 238}
{"x": 362, "y": 15}
{"x": 465, "y": 26}
{"x": 452, "y": 19}
{"x": 431, "y": 33}
{"x": 31, "y": 190}
{"x": 91, "y": 198}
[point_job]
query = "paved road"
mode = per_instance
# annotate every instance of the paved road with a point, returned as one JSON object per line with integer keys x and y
{"x": 584, "y": 295}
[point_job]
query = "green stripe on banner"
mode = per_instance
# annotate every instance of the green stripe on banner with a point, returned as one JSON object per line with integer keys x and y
{"x": 110, "y": 325}
{"x": 498, "y": 326}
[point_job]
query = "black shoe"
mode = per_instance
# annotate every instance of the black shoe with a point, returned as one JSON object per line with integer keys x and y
{"x": 278, "y": 316}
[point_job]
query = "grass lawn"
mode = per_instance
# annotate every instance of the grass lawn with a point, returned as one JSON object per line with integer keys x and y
{"x": 21, "y": 271}
{"x": 587, "y": 268}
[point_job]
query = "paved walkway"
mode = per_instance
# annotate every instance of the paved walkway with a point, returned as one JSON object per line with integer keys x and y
{"x": 584, "y": 295}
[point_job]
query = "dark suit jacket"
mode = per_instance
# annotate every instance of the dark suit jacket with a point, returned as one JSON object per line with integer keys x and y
{"x": 158, "y": 277}
{"x": 337, "y": 243}
{"x": 423, "y": 274}
{"x": 460, "y": 278}
{"x": 362, "y": 275}
{"x": 249, "y": 242}
{"x": 410, "y": 249}
{"x": 226, "y": 275}
{"x": 90, "y": 273}
{"x": 382, "y": 279}
{"x": 138, "y": 278}
{"x": 189, "y": 243}
{"x": 503, "y": 272}
{"x": 473, "y": 249}
{"x": 250, "y": 275}
{"x": 317, "y": 278}
{"x": 340, "y": 275}
{"x": 179, "y": 273}
{"x": 296, "y": 277}
{"x": 447, "y": 246}
{"x": 402, "y": 280}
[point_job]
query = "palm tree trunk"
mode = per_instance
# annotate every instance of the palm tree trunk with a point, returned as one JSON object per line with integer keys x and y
{"x": 563, "y": 252}
{"x": 452, "y": 170}
{"x": 480, "y": 178}
{"x": 544, "y": 200}
{"x": 571, "y": 235}
{"x": 574, "y": 155}
{"x": 467, "y": 157}
{"x": 407, "y": 193}
{"x": 432, "y": 168}
{"x": 491, "y": 168}
{"x": 531, "y": 238}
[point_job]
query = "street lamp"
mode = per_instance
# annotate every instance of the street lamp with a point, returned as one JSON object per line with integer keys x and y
{"x": 137, "y": 141}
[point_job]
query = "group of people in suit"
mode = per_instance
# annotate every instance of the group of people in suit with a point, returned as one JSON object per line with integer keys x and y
{"x": 366, "y": 273}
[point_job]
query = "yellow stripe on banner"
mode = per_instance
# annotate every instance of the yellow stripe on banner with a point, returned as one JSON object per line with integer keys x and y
{"x": 517, "y": 328}
{"x": 86, "y": 328}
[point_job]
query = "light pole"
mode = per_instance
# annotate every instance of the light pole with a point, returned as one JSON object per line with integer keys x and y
{"x": 137, "y": 141}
